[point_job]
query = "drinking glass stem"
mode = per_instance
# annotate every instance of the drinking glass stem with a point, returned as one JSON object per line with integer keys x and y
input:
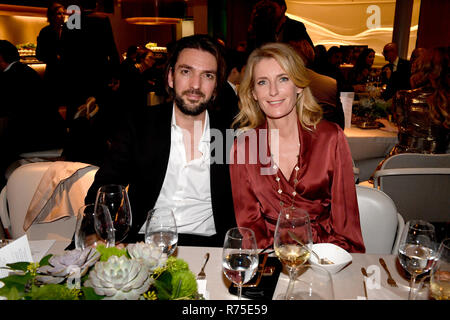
{"x": 292, "y": 277}
{"x": 239, "y": 291}
{"x": 411, "y": 286}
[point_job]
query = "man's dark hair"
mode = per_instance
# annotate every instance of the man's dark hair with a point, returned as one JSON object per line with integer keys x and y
{"x": 9, "y": 51}
{"x": 201, "y": 42}
{"x": 281, "y": 3}
{"x": 52, "y": 9}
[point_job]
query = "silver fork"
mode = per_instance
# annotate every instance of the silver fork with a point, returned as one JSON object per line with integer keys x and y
{"x": 202, "y": 275}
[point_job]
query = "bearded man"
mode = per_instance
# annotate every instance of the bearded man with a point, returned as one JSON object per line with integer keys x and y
{"x": 168, "y": 155}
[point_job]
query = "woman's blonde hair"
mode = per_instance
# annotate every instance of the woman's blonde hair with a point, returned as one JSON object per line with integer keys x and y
{"x": 250, "y": 115}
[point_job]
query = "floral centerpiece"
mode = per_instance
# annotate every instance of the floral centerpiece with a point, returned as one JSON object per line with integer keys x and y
{"x": 368, "y": 109}
{"x": 138, "y": 272}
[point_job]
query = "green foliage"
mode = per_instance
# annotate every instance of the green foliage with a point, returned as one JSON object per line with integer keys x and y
{"x": 19, "y": 266}
{"x": 173, "y": 281}
{"x": 45, "y": 260}
{"x": 175, "y": 265}
{"x": 89, "y": 294}
{"x": 163, "y": 286}
{"x": 53, "y": 292}
{"x": 108, "y": 252}
{"x": 176, "y": 282}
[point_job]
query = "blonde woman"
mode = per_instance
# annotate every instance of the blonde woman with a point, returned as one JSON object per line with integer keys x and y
{"x": 296, "y": 159}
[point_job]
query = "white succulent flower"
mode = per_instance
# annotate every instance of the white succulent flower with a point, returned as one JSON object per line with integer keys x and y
{"x": 71, "y": 263}
{"x": 119, "y": 278}
{"x": 148, "y": 254}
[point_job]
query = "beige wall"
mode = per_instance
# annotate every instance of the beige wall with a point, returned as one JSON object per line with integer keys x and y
{"x": 21, "y": 29}
{"x": 344, "y": 22}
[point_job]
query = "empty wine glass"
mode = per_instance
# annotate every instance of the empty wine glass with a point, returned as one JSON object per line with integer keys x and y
{"x": 417, "y": 249}
{"x": 94, "y": 227}
{"x": 293, "y": 226}
{"x": 161, "y": 229}
{"x": 240, "y": 256}
{"x": 115, "y": 197}
{"x": 313, "y": 283}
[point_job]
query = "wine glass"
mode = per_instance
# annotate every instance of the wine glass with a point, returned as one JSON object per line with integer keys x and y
{"x": 94, "y": 226}
{"x": 417, "y": 249}
{"x": 440, "y": 273}
{"x": 313, "y": 283}
{"x": 240, "y": 256}
{"x": 161, "y": 229}
{"x": 293, "y": 227}
{"x": 115, "y": 197}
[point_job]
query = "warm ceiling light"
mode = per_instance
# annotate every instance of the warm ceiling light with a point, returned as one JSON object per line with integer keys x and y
{"x": 153, "y": 12}
{"x": 152, "y": 21}
{"x": 11, "y": 10}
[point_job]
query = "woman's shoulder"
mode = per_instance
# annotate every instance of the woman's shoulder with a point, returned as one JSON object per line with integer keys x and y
{"x": 328, "y": 127}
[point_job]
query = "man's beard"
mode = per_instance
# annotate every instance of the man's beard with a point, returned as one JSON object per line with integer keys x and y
{"x": 191, "y": 111}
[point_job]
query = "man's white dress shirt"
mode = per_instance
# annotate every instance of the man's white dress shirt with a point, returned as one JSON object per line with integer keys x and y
{"x": 186, "y": 187}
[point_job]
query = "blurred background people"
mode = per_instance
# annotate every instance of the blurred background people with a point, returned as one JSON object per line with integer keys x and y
{"x": 359, "y": 75}
{"x": 401, "y": 71}
{"x": 269, "y": 23}
{"x": 423, "y": 113}
{"x": 28, "y": 122}
{"x": 323, "y": 88}
{"x": 50, "y": 49}
{"x": 227, "y": 98}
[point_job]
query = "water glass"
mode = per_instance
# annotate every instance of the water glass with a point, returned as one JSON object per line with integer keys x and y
{"x": 440, "y": 273}
{"x": 240, "y": 256}
{"x": 417, "y": 249}
{"x": 161, "y": 229}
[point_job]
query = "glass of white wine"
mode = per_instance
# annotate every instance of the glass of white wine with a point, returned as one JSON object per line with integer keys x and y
{"x": 440, "y": 273}
{"x": 240, "y": 256}
{"x": 161, "y": 229}
{"x": 292, "y": 243}
{"x": 417, "y": 249}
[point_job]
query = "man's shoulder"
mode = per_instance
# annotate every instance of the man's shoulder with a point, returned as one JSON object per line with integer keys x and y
{"x": 153, "y": 116}
{"x": 403, "y": 63}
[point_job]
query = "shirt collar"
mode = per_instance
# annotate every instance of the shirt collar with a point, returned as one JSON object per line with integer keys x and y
{"x": 395, "y": 63}
{"x": 233, "y": 86}
{"x": 206, "y": 131}
{"x": 10, "y": 65}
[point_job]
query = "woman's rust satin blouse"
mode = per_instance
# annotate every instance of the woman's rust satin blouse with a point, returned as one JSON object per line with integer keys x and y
{"x": 326, "y": 189}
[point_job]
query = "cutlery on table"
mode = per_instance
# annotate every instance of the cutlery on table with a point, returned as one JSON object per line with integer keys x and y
{"x": 390, "y": 280}
{"x": 202, "y": 275}
{"x": 364, "y": 272}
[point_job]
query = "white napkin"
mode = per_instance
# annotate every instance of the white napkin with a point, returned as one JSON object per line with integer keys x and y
{"x": 201, "y": 285}
{"x": 379, "y": 293}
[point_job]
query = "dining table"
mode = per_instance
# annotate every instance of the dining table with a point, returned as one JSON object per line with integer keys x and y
{"x": 347, "y": 283}
{"x": 370, "y": 146}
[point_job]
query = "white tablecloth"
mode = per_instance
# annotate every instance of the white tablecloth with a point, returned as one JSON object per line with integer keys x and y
{"x": 348, "y": 283}
{"x": 370, "y": 146}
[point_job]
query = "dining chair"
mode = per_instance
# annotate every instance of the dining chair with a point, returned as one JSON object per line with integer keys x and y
{"x": 419, "y": 185}
{"x": 381, "y": 224}
{"x": 18, "y": 193}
